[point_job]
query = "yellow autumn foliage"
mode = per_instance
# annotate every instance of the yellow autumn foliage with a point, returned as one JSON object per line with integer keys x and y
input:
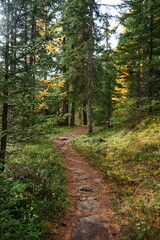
{"x": 57, "y": 29}
{"x": 53, "y": 85}
{"x": 45, "y": 81}
{"x": 44, "y": 93}
{"x": 55, "y": 77}
{"x": 51, "y": 48}
{"x": 41, "y": 27}
{"x": 59, "y": 40}
{"x": 63, "y": 94}
{"x": 54, "y": 82}
{"x": 57, "y": 85}
{"x": 42, "y": 106}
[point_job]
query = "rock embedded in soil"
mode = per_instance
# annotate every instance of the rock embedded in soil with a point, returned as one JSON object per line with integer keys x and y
{"x": 79, "y": 171}
{"x": 90, "y": 228}
{"x": 88, "y": 206}
{"x": 63, "y": 138}
{"x": 86, "y": 189}
{"x": 98, "y": 180}
{"x": 84, "y": 206}
{"x": 92, "y": 198}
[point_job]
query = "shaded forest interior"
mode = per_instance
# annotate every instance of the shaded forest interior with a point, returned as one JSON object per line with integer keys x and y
{"x": 58, "y": 69}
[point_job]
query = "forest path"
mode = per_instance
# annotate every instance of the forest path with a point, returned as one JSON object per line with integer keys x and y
{"x": 89, "y": 216}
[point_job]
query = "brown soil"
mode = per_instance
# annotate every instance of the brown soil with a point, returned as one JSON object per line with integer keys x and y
{"x": 89, "y": 215}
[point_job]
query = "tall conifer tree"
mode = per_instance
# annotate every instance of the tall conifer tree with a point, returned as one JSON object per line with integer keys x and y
{"x": 80, "y": 34}
{"x": 138, "y": 52}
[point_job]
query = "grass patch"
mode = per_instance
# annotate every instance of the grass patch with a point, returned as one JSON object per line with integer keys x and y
{"x": 32, "y": 190}
{"x": 130, "y": 159}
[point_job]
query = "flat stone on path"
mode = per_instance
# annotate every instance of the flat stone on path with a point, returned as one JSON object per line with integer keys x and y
{"x": 78, "y": 171}
{"x": 81, "y": 178}
{"x": 84, "y": 206}
{"x": 90, "y": 228}
{"x": 88, "y": 206}
{"x": 98, "y": 180}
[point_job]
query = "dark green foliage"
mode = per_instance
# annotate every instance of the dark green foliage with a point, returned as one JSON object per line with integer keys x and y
{"x": 80, "y": 50}
{"x": 104, "y": 83}
{"x": 19, "y": 219}
{"x": 32, "y": 191}
{"x": 138, "y": 58}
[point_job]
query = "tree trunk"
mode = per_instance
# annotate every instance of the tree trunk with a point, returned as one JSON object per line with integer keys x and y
{"x": 72, "y": 122}
{"x": 65, "y": 111}
{"x": 4, "y": 132}
{"x": 90, "y": 67}
{"x": 5, "y": 103}
{"x": 84, "y": 114}
{"x": 109, "y": 105}
{"x": 150, "y": 93}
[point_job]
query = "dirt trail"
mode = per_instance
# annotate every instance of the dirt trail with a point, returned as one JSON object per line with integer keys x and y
{"x": 89, "y": 216}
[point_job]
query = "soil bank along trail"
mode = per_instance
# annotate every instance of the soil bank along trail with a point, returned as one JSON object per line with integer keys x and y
{"x": 89, "y": 215}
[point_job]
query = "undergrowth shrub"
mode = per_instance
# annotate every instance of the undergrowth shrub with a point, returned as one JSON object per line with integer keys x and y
{"x": 32, "y": 189}
{"x": 144, "y": 221}
{"x": 19, "y": 218}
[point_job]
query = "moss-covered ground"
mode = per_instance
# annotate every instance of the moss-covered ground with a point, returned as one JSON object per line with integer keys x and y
{"x": 130, "y": 159}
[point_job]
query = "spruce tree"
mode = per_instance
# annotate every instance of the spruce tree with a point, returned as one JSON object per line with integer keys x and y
{"x": 80, "y": 46}
{"x": 21, "y": 48}
{"x": 137, "y": 56}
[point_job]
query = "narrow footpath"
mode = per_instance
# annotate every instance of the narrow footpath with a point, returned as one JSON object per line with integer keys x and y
{"x": 89, "y": 216}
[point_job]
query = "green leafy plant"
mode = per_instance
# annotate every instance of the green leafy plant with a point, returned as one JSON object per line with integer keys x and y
{"x": 19, "y": 218}
{"x": 32, "y": 190}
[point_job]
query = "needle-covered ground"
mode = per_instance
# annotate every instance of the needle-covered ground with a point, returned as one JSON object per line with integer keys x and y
{"x": 130, "y": 159}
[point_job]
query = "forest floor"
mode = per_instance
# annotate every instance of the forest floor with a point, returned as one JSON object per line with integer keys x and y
{"x": 89, "y": 215}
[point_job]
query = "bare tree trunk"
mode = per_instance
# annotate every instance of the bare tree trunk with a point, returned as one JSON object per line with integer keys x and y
{"x": 90, "y": 68}
{"x": 65, "y": 111}
{"x": 109, "y": 106}
{"x": 72, "y": 122}
{"x": 84, "y": 114}
{"x": 150, "y": 93}
{"x": 4, "y": 132}
{"x": 5, "y": 102}
{"x": 65, "y": 106}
